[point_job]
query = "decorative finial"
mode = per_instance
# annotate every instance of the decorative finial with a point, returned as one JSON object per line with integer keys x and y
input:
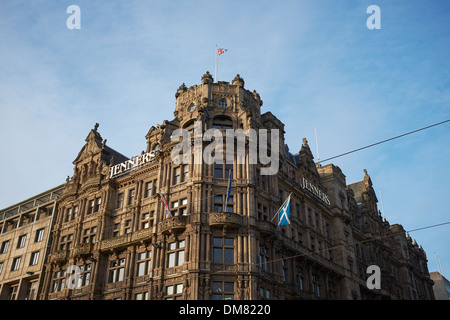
{"x": 96, "y": 127}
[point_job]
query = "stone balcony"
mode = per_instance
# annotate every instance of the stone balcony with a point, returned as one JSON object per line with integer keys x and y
{"x": 83, "y": 249}
{"x": 59, "y": 256}
{"x": 266, "y": 226}
{"x": 126, "y": 239}
{"x": 173, "y": 224}
{"x": 229, "y": 219}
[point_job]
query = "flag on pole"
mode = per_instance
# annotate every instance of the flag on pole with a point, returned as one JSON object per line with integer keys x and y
{"x": 228, "y": 191}
{"x": 284, "y": 212}
{"x": 168, "y": 213}
{"x": 221, "y": 51}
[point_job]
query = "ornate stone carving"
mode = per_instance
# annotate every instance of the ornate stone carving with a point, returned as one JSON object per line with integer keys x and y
{"x": 225, "y": 218}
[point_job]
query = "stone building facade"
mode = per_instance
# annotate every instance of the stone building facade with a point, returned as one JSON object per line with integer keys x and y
{"x": 24, "y": 239}
{"x": 112, "y": 239}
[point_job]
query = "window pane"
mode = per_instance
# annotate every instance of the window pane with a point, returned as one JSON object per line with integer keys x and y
{"x": 229, "y": 255}
{"x": 121, "y": 273}
{"x": 217, "y": 297}
{"x": 171, "y": 260}
{"x": 141, "y": 269}
{"x": 229, "y": 241}
{"x": 169, "y": 290}
{"x": 217, "y": 286}
{"x": 181, "y": 244}
{"x": 228, "y": 297}
{"x": 218, "y": 172}
{"x": 142, "y": 255}
{"x": 179, "y": 288}
{"x": 228, "y": 287}
{"x": 217, "y": 255}
{"x": 180, "y": 257}
{"x": 217, "y": 241}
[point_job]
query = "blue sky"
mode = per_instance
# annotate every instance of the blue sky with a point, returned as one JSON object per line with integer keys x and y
{"x": 315, "y": 64}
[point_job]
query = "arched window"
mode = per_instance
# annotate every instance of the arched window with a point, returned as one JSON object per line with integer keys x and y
{"x": 189, "y": 126}
{"x": 222, "y": 122}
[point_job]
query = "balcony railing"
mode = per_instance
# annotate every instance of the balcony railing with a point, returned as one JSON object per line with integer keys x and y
{"x": 175, "y": 223}
{"x": 126, "y": 239}
{"x": 230, "y": 219}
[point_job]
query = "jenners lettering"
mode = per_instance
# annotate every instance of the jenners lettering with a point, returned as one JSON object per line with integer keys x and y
{"x": 134, "y": 163}
{"x": 314, "y": 190}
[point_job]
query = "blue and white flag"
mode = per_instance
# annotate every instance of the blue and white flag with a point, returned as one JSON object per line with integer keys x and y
{"x": 284, "y": 212}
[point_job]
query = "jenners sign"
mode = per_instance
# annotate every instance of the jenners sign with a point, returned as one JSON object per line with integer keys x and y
{"x": 134, "y": 163}
{"x": 305, "y": 184}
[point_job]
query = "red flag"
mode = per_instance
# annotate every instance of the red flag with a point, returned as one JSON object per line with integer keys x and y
{"x": 221, "y": 51}
{"x": 168, "y": 213}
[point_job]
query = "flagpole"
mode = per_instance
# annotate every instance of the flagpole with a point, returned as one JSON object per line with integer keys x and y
{"x": 225, "y": 205}
{"x": 215, "y": 69}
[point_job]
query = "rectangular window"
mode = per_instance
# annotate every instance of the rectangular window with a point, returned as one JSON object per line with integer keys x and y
{"x": 175, "y": 254}
{"x": 21, "y": 241}
{"x": 69, "y": 212}
{"x": 316, "y": 285}
{"x": 131, "y": 195}
{"x": 65, "y": 242}
{"x": 147, "y": 220}
{"x": 16, "y": 264}
{"x": 174, "y": 292}
{"x": 12, "y": 295}
{"x": 34, "y": 258}
{"x": 223, "y": 171}
{"x": 89, "y": 235}
{"x": 116, "y": 270}
{"x": 300, "y": 278}
{"x": 91, "y": 206}
{"x": 98, "y": 202}
{"x": 179, "y": 207}
{"x": 144, "y": 263}
{"x": 219, "y": 203}
{"x": 39, "y": 235}
{"x": 120, "y": 201}
{"x": 32, "y": 290}
{"x": 127, "y": 226}
{"x": 264, "y": 258}
{"x": 75, "y": 212}
{"x": 223, "y": 250}
{"x": 223, "y": 290}
{"x": 1, "y": 267}
{"x": 176, "y": 175}
{"x": 141, "y": 296}
{"x": 185, "y": 172}
{"x": 85, "y": 275}
{"x": 59, "y": 280}
{"x": 148, "y": 189}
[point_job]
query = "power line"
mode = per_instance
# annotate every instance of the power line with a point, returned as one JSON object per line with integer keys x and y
{"x": 353, "y": 243}
{"x": 380, "y": 142}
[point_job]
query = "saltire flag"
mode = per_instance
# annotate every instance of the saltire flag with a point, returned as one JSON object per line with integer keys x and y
{"x": 221, "y": 51}
{"x": 228, "y": 191}
{"x": 168, "y": 213}
{"x": 284, "y": 212}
